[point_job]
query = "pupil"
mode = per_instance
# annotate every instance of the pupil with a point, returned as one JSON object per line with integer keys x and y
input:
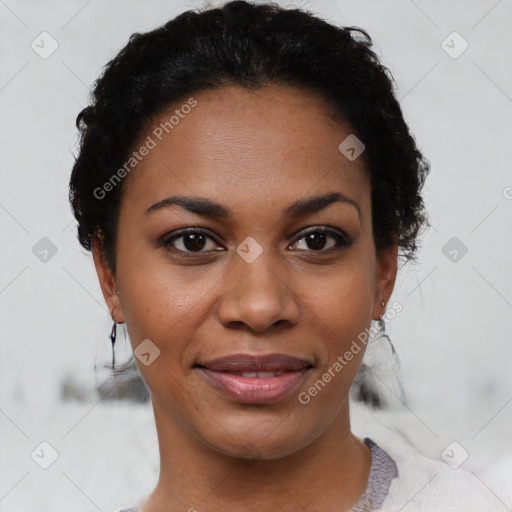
{"x": 316, "y": 240}
{"x": 194, "y": 242}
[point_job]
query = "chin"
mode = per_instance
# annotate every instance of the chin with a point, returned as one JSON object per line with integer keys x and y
{"x": 257, "y": 449}
{"x": 260, "y": 439}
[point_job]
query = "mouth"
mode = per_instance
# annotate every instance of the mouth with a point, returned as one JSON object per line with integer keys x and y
{"x": 248, "y": 379}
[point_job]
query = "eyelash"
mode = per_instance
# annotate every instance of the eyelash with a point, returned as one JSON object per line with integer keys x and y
{"x": 342, "y": 241}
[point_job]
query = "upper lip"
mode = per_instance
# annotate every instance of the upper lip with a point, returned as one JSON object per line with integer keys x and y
{"x": 256, "y": 363}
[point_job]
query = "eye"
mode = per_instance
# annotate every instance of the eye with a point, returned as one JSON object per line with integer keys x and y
{"x": 190, "y": 240}
{"x": 322, "y": 240}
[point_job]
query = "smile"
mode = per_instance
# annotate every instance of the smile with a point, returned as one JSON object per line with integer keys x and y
{"x": 255, "y": 379}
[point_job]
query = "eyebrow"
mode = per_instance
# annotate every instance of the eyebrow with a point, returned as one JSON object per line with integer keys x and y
{"x": 211, "y": 209}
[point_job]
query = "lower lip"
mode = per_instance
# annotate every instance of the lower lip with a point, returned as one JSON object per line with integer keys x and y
{"x": 253, "y": 390}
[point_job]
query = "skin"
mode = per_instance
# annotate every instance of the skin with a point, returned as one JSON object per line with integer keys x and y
{"x": 255, "y": 152}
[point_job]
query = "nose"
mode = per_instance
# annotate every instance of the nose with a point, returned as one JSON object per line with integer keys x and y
{"x": 257, "y": 296}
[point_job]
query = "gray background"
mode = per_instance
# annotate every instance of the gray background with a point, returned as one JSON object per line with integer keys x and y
{"x": 453, "y": 334}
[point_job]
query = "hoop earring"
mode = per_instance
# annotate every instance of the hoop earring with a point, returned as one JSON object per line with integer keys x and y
{"x": 113, "y": 335}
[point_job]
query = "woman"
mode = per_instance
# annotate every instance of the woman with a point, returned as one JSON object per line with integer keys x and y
{"x": 246, "y": 183}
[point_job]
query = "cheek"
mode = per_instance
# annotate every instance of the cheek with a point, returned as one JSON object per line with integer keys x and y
{"x": 162, "y": 307}
{"x": 341, "y": 301}
{"x": 340, "y": 317}
{"x": 154, "y": 299}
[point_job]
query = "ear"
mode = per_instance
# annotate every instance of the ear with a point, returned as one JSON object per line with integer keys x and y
{"x": 107, "y": 282}
{"x": 387, "y": 262}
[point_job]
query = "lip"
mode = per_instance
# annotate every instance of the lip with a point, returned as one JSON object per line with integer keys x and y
{"x": 225, "y": 372}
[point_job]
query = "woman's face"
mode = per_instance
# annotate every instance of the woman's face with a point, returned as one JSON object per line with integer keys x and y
{"x": 275, "y": 279}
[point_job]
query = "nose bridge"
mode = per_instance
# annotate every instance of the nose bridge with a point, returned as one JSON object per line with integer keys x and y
{"x": 255, "y": 292}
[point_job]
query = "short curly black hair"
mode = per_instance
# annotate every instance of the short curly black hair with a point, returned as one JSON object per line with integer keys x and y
{"x": 240, "y": 43}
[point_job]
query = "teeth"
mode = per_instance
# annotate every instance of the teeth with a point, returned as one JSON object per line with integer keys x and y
{"x": 261, "y": 375}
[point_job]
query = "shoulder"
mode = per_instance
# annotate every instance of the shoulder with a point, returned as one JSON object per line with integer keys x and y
{"x": 427, "y": 484}
{"x": 424, "y": 483}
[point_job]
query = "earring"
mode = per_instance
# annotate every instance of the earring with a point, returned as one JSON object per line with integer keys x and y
{"x": 382, "y": 327}
{"x": 113, "y": 335}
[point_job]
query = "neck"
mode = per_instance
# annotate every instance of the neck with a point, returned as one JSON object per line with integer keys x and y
{"x": 331, "y": 473}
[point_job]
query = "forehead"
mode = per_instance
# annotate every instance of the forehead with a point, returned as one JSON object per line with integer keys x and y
{"x": 246, "y": 144}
